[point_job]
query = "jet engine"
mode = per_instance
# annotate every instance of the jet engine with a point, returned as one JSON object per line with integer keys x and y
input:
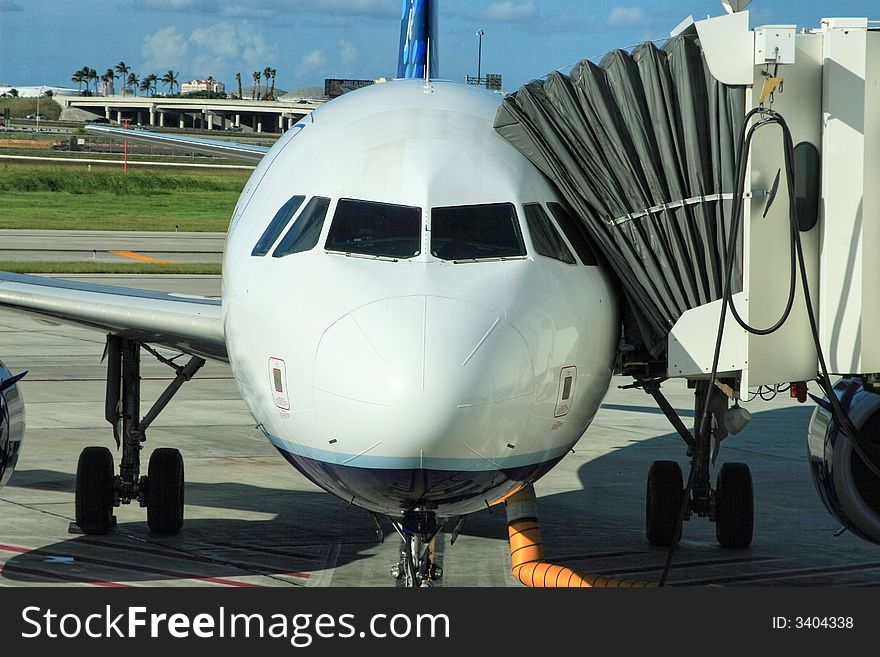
{"x": 848, "y": 487}
{"x": 11, "y": 422}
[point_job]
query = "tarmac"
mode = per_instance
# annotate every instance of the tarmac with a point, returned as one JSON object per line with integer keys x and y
{"x": 253, "y": 521}
{"x": 110, "y": 246}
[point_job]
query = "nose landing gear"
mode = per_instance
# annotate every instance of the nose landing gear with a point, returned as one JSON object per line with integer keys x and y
{"x": 417, "y": 566}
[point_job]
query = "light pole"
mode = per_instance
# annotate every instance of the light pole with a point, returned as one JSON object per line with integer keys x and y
{"x": 480, "y": 34}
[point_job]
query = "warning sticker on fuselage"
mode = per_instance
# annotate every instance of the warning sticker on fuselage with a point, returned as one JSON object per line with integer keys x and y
{"x": 278, "y": 382}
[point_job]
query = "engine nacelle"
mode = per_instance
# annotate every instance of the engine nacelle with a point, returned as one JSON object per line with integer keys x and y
{"x": 849, "y": 489}
{"x": 11, "y": 423}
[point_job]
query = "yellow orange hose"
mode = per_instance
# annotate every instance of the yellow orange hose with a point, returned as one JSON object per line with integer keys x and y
{"x": 527, "y": 551}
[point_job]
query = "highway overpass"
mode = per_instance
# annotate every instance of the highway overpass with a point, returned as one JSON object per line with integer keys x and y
{"x": 207, "y": 114}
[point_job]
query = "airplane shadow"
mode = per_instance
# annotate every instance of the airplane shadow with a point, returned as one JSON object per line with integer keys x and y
{"x": 308, "y": 532}
{"x": 597, "y": 527}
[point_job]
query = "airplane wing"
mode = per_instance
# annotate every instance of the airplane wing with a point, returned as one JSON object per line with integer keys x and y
{"x": 231, "y": 149}
{"x": 189, "y": 323}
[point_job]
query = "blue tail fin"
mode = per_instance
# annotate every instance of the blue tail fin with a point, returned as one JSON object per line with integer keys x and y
{"x": 418, "y": 41}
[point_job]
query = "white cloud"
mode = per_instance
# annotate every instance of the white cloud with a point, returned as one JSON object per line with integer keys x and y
{"x": 312, "y": 61}
{"x": 628, "y": 17}
{"x": 209, "y": 49}
{"x": 348, "y": 52}
{"x": 164, "y": 49}
{"x": 510, "y": 12}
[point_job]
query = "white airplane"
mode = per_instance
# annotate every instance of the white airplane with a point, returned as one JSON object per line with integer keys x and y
{"x": 411, "y": 315}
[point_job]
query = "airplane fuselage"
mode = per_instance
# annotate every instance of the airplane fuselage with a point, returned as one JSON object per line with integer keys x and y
{"x": 395, "y": 332}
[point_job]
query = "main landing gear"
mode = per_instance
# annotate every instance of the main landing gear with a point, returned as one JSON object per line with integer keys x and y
{"x": 98, "y": 488}
{"x": 668, "y": 501}
{"x": 416, "y": 567}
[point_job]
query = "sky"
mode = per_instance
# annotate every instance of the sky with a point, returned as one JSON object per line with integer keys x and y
{"x": 46, "y": 41}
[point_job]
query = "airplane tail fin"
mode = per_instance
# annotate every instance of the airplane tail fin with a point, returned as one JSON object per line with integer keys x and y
{"x": 418, "y": 41}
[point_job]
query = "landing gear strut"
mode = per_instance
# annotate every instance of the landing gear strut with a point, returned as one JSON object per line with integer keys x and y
{"x": 98, "y": 489}
{"x": 416, "y": 567}
{"x": 668, "y": 502}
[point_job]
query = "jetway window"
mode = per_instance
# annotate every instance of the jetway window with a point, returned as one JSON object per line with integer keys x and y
{"x": 476, "y": 232}
{"x": 381, "y": 230}
{"x": 279, "y": 221}
{"x": 575, "y": 232}
{"x": 545, "y": 239}
{"x": 304, "y": 234}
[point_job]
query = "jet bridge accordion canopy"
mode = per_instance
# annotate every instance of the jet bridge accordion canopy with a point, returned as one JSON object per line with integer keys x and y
{"x": 643, "y": 148}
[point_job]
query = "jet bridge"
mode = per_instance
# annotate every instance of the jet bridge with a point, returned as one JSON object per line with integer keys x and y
{"x": 644, "y": 146}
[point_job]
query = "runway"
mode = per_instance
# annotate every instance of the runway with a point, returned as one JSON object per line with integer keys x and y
{"x": 110, "y": 246}
{"x": 253, "y": 521}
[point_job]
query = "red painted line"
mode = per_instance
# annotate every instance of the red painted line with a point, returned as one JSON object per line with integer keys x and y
{"x": 132, "y": 568}
{"x": 300, "y": 575}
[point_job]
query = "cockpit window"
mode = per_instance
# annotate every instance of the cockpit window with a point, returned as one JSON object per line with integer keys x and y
{"x": 476, "y": 232}
{"x": 575, "y": 232}
{"x": 380, "y": 230}
{"x": 546, "y": 240}
{"x": 279, "y": 221}
{"x": 304, "y": 234}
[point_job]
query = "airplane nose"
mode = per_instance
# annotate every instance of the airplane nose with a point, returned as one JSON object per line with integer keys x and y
{"x": 417, "y": 379}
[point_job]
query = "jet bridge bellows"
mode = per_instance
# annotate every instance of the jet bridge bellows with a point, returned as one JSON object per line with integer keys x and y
{"x": 642, "y": 146}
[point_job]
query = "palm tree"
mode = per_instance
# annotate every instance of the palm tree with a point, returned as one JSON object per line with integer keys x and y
{"x": 148, "y": 84}
{"x": 79, "y": 77}
{"x": 271, "y": 95}
{"x": 132, "y": 81}
{"x": 256, "y": 77}
{"x": 108, "y": 77}
{"x": 92, "y": 76}
{"x": 238, "y": 79}
{"x": 267, "y": 73}
{"x": 123, "y": 69}
{"x": 170, "y": 79}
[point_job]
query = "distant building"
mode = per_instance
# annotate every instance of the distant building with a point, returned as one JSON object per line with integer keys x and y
{"x": 34, "y": 92}
{"x": 334, "y": 87}
{"x": 492, "y": 81}
{"x": 107, "y": 88}
{"x": 202, "y": 85}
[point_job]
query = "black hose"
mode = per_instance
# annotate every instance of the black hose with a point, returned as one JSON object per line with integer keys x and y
{"x": 797, "y": 263}
{"x": 771, "y": 117}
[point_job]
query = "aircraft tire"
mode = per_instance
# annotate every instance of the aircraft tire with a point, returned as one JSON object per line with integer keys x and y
{"x": 165, "y": 489}
{"x": 94, "y": 490}
{"x": 663, "y": 500}
{"x": 734, "y": 506}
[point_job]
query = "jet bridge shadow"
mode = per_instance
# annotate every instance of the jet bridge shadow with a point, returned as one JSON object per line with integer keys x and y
{"x": 601, "y": 527}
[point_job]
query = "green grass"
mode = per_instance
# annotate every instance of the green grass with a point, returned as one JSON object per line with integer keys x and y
{"x": 90, "y": 267}
{"x": 81, "y": 179}
{"x": 185, "y": 211}
{"x": 21, "y": 107}
{"x": 63, "y": 197}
